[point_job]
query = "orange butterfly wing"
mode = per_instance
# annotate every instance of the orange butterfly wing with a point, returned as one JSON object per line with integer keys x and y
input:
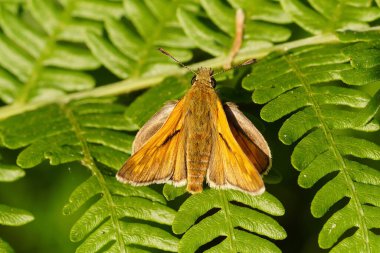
{"x": 230, "y": 168}
{"x": 153, "y": 125}
{"x": 249, "y": 138}
{"x": 162, "y": 158}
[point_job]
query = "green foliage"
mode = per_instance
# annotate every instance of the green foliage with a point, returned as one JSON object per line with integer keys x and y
{"x": 230, "y": 219}
{"x": 4, "y": 247}
{"x": 132, "y": 49}
{"x": 10, "y": 173}
{"x": 261, "y": 27}
{"x": 102, "y": 224}
{"x": 64, "y": 99}
{"x": 83, "y": 130}
{"x": 87, "y": 131}
{"x": 319, "y": 113}
{"x": 39, "y": 54}
{"x": 10, "y": 216}
{"x": 331, "y": 15}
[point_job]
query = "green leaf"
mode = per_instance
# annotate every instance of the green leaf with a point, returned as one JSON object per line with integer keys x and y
{"x": 131, "y": 50}
{"x": 301, "y": 88}
{"x": 91, "y": 131}
{"x": 269, "y": 11}
{"x": 331, "y": 15}
{"x": 5, "y": 247}
{"x": 258, "y": 32}
{"x": 353, "y": 36}
{"x": 9, "y": 173}
{"x": 11, "y": 216}
{"x": 58, "y": 139}
{"x": 114, "y": 203}
{"x": 171, "y": 192}
{"x": 43, "y": 59}
{"x": 220, "y": 214}
{"x": 95, "y": 9}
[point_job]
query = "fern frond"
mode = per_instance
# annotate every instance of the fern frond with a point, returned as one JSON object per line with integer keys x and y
{"x": 41, "y": 54}
{"x": 261, "y": 29}
{"x": 332, "y": 15}
{"x": 55, "y": 132}
{"x": 228, "y": 220}
{"x": 131, "y": 50}
{"x": 117, "y": 202}
{"x": 10, "y": 216}
{"x": 323, "y": 116}
{"x": 89, "y": 131}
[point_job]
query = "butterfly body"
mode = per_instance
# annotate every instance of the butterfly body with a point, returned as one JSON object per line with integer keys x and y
{"x": 200, "y": 126}
{"x": 197, "y": 138}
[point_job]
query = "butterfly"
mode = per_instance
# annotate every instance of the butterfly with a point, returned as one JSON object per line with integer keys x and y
{"x": 198, "y": 138}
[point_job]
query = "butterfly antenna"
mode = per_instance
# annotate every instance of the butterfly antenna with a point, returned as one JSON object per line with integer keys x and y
{"x": 174, "y": 59}
{"x": 248, "y": 62}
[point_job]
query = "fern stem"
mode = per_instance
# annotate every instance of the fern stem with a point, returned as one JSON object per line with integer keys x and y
{"x": 330, "y": 140}
{"x": 134, "y": 84}
{"x": 89, "y": 163}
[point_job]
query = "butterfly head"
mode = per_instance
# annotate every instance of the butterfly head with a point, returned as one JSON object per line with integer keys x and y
{"x": 204, "y": 77}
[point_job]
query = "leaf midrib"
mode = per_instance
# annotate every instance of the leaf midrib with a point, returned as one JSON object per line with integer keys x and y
{"x": 89, "y": 162}
{"x": 150, "y": 43}
{"x": 227, "y": 216}
{"x": 47, "y": 51}
{"x": 147, "y": 47}
{"x": 330, "y": 139}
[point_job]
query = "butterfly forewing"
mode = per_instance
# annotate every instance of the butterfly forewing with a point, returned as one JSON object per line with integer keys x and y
{"x": 153, "y": 125}
{"x": 156, "y": 160}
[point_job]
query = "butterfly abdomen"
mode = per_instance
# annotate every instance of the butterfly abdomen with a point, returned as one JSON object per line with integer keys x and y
{"x": 199, "y": 136}
{"x": 197, "y": 161}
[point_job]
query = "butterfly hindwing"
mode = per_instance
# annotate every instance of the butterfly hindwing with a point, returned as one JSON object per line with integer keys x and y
{"x": 249, "y": 138}
{"x": 230, "y": 168}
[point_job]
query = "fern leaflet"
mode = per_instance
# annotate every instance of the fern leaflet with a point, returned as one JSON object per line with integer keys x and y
{"x": 10, "y": 216}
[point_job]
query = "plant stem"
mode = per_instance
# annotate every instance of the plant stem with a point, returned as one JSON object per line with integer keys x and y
{"x": 134, "y": 84}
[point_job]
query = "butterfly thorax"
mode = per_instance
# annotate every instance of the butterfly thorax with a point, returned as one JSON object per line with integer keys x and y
{"x": 204, "y": 77}
{"x": 201, "y": 104}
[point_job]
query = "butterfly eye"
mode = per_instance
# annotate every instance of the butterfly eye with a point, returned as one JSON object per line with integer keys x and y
{"x": 213, "y": 82}
{"x": 193, "y": 80}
